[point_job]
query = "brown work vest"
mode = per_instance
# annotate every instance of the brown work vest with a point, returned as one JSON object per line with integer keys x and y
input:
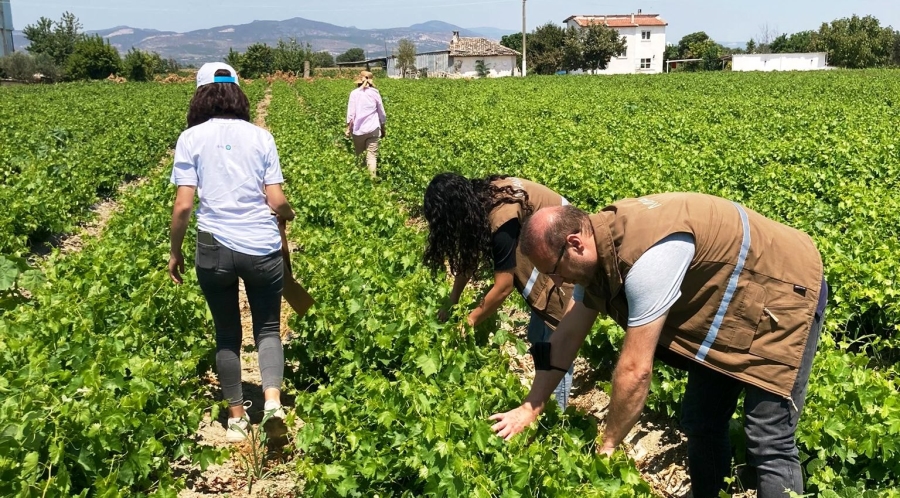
{"x": 748, "y": 298}
{"x": 539, "y": 291}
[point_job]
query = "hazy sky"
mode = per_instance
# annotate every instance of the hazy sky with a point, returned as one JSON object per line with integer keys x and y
{"x": 723, "y": 20}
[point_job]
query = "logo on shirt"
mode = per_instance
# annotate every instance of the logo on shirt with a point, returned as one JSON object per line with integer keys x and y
{"x": 227, "y": 147}
{"x": 650, "y": 203}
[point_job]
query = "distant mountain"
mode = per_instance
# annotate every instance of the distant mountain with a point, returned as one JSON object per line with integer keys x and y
{"x": 494, "y": 33}
{"x": 212, "y": 44}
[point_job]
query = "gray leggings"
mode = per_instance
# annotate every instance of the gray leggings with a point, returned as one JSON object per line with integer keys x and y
{"x": 218, "y": 270}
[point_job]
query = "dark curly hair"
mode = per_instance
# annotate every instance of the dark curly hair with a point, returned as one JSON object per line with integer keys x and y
{"x": 218, "y": 100}
{"x": 457, "y": 211}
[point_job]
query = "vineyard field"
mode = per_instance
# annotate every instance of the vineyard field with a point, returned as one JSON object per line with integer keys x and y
{"x": 101, "y": 359}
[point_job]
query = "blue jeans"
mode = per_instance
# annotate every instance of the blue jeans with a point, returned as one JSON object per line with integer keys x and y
{"x": 218, "y": 269}
{"x": 538, "y": 331}
{"x": 770, "y": 422}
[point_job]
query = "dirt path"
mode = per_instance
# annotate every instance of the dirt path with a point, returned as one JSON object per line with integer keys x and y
{"x": 659, "y": 449}
{"x": 101, "y": 213}
{"x": 231, "y": 476}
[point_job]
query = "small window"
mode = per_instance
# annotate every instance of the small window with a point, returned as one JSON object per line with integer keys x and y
{"x": 645, "y": 63}
{"x": 645, "y": 35}
{"x": 624, "y": 53}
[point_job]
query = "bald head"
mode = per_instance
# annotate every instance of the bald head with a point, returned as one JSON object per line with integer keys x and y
{"x": 546, "y": 230}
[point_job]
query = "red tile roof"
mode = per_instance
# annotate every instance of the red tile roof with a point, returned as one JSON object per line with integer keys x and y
{"x": 478, "y": 47}
{"x": 618, "y": 20}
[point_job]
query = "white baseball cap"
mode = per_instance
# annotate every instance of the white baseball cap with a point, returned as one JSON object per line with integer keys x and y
{"x": 207, "y": 74}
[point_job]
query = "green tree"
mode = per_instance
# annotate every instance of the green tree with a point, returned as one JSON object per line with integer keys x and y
{"x": 857, "y": 42}
{"x": 711, "y": 53}
{"x": 406, "y": 57}
{"x": 352, "y": 55}
{"x": 572, "y": 49}
{"x": 56, "y": 39}
{"x": 803, "y": 41}
{"x": 93, "y": 58}
{"x": 896, "y": 54}
{"x": 546, "y": 49}
{"x": 259, "y": 59}
{"x": 234, "y": 59}
{"x": 514, "y": 41}
{"x": 290, "y": 56}
{"x": 591, "y": 48}
{"x": 601, "y": 43}
{"x": 141, "y": 66}
{"x": 751, "y": 46}
{"x": 23, "y": 66}
{"x": 322, "y": 59}
{"x": 691, "y": 39}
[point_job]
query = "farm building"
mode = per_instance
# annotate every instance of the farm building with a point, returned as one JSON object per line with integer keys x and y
{"x": 645, "y": 39}
{"x": 462, "y": 58}
{"x": 6, "y": 28}
{"x": 779, "y": 62}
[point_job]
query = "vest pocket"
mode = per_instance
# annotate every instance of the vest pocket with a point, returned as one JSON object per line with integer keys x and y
{"x": 749, "y": 313}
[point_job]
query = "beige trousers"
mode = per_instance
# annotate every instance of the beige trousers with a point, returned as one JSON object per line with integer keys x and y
{"x": 368, "y": 143}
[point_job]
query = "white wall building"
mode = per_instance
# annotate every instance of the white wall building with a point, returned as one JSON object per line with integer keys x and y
{"x": 645, "y": 39}
{"x": 462, "y": 58}
{"x": 780, "y": 62}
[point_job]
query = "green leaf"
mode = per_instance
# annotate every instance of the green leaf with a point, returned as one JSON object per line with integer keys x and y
{"x": 32, "y": 280}
{"x": 9, "y": 271}
{"x": 427, "y": 364}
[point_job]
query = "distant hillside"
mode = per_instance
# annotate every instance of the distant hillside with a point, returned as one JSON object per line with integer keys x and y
{"x": 212, "y": 44}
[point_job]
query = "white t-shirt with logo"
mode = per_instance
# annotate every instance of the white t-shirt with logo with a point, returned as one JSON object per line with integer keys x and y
{"x": 230, "y": 161}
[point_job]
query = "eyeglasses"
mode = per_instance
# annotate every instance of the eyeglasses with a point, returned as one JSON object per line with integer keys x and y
{"x": 562, "y": 252}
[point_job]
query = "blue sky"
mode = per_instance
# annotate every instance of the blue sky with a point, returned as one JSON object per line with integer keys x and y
{"x": 725, "y": 21}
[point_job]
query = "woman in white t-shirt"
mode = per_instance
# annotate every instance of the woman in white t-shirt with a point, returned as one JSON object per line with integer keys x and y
{"x": 233, "y": 166}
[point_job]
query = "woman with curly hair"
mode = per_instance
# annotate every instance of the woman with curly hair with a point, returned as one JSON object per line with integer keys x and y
{"x": 233, "y": 166}
{"x": 474, "y": 225}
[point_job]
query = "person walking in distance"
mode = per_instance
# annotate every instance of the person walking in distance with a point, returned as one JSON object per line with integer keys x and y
{"x": 233, "y": 166}
{"x": 737, "y": 299}
{"x": 476, "y": 223}
{"x": 366, "y": 120}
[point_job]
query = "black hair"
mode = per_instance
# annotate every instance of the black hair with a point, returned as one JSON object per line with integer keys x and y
{"x": 216, "y": 100}
{"x": 457, "y": 211}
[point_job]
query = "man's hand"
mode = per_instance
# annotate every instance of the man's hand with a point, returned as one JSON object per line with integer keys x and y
{"x": 176, "y": 267}
{"x": 606, "y": 450}
{"x": 513, "y": 422}
{"x": 443, "y": 315}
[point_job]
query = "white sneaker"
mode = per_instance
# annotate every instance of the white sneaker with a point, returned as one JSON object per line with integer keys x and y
{"x": 237, "y": 428}
{"x": 274, "y": 425}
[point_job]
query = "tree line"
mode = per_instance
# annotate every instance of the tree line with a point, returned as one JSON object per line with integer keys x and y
{"x": 59, "y": 50}
{"x": 854, "y": 42}
{"x": 552, "y": 48}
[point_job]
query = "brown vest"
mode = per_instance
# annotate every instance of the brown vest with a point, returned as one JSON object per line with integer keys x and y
{"x": 542, "y": 296}
{"x": 748, "y": 298}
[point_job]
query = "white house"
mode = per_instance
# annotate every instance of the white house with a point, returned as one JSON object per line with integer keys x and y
{"x": 645, "y": 39}
{"x": 466, "y": 52}
{"x": 462, "y": 58}
{"x": 779, "y": 62}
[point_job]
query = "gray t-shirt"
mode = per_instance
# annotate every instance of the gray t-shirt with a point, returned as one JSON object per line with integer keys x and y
{"x": 654, "y": 282}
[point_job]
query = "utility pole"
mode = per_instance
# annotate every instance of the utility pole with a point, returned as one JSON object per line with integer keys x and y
{"x": 523, "y": 38}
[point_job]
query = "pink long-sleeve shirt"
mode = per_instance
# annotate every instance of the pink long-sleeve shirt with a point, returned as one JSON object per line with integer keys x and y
{"x": 365, "y": 110}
